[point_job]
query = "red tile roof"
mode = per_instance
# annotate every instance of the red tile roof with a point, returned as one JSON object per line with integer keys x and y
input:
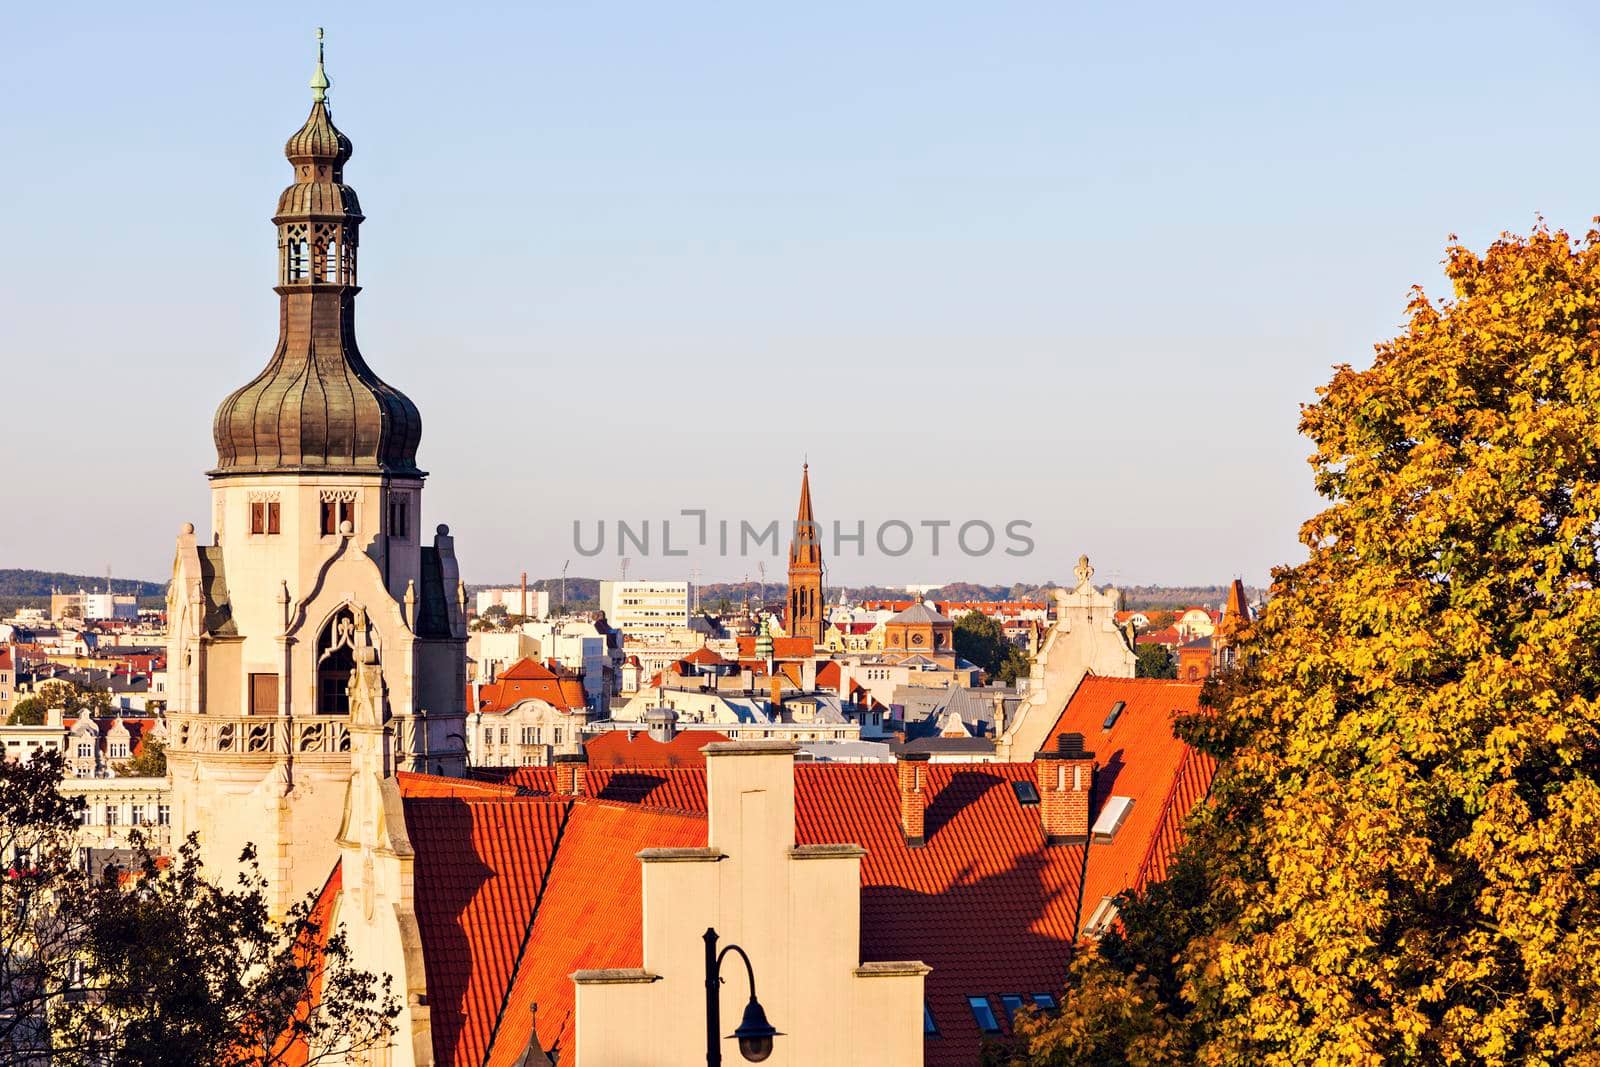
{"x": 289, "y": 1050}
{"x": 435, "y": 786}
{"x": 704, "y": 657}
{"x": 829, "y": 676}
{"x": 480, "y": 867}
{"x": 615, "y": 748}
{"x": 589, "y": 917}
{"x": 1138, "y": 757}
{"x": 986, "y": 903}
{"x": 782, "y": 648}
{"x": 528, "y": 679}
{"x": 666, "y": 788}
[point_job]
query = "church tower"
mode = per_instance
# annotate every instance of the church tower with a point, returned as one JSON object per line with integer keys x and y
{"x": 316, "y": 565}
{"x": 805, "y": 613}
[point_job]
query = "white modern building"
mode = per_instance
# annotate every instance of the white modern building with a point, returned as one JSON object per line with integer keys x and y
{"x": 644, "y": 608}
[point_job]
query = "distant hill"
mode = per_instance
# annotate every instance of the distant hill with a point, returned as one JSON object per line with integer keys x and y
{"x": 26, "y": 583}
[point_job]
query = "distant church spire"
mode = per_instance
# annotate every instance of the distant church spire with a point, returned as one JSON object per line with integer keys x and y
{"x": 804, "y": 612}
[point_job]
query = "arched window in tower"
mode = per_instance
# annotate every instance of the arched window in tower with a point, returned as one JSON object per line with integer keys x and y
{"x": 335, "y": 661}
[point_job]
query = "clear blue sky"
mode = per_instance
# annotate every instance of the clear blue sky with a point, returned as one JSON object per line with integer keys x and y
{"x": 1067, "y": 263}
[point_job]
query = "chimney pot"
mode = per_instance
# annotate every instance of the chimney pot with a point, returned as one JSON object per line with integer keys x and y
{"x": 1065, "y": 780}
{"x": 912, "y": 770}
{"x": 570, "y": 768}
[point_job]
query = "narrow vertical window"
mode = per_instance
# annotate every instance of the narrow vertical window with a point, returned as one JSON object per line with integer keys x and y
{"x": 347, "y": 513}
{"x": 329, "y": 518}
{"x": 258, "y": 518}
{"x": 273, "y": 523}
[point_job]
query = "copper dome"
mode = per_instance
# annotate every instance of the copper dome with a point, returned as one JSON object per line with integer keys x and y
{"x": 317, "y": 406}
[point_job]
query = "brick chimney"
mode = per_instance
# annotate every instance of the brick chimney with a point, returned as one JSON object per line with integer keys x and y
{"x": 569, "y": 772}
{"x": 913, "y": 774}
{"x": 1066, "y": 778}
{"x": 776, "y": 694}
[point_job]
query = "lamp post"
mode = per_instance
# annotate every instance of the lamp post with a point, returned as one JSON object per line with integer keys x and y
{"x": 755, "y": 1034}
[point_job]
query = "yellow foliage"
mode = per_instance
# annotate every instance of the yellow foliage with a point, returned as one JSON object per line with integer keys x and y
{"x": 1401, "y": 857}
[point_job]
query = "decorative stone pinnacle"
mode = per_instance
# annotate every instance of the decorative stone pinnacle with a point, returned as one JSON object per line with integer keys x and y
{"x": 1083, "y": 571}
{"x": 319, "y": 77}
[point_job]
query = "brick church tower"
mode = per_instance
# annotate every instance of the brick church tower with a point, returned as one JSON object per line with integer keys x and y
{"x": 805, "y": 615}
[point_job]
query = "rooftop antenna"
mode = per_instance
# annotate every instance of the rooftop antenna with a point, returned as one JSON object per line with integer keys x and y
{"x": 564, "y": 567}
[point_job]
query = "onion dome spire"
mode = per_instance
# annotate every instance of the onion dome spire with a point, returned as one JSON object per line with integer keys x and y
{"x": 319, "y": 77}
{"x": 317, "y": 406}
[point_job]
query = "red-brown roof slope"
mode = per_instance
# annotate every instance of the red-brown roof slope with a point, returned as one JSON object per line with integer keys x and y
{"x": 291, "y": 1050}
{"x": 1138, "y": 757}
{"x": 590, "y": 917}
{"x": 480, "y": 867}
{"x": 986, "y": 902}
{"x": 669, "y": 788}
{"x": 615, "y": 748}
{"x": 782, "y": 648}
{"x": 528, "y": 679}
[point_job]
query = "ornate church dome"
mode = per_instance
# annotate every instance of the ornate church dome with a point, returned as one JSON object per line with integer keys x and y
{"x": 317, "y": 406}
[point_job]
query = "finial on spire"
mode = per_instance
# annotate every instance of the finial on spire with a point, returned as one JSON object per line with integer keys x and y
{"x": 319, "y": 78}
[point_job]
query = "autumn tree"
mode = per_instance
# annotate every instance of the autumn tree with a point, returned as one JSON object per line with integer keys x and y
{"x": 1400, "y": 860}
{"x": 149, "y": 762}
{"x": 154, "y": 964}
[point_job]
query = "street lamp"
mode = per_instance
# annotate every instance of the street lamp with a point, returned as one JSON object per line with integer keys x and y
{"x": 755, "y": 1034}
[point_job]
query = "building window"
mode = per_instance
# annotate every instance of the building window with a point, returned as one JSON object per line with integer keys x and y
{"x": 1012, "y": 1003}
{"x": 335, "y": 662}
{"x": 336, "y": 512}
{"x": 163, "y": 815}
{"x": 264, "y": 517}
{"x": 111, "y": 814}
{"x": 983, "y": 1015}
{"x": 399, "y": 517}
{"x": 85, "y": 750}
{"x": 488, "y": 735}
{"x": 119, "y": 750}
{"x": 1044, "y": 1001}
{"x": 929, "y": 1027}
{"x": 505, "y": 735}
{"x": 558, "y": 735}
{"x": 527, "y": 735}
{"x": 136, "y": 815}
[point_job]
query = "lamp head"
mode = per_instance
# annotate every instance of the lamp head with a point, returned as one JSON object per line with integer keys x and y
{"x": 755, "y": 1034}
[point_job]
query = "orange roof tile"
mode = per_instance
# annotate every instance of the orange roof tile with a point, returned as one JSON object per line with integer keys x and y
{"x": 433, "y": 785}
{"x": 480, "y": 867}
{"x": 1139, "y": 757}
{"x": 589, "y": 917}
{"x": 782, "y": 648}
{"x": 704, "y": 657}
{"x": 616, "y": 748}
{"x": 528, "y": 679}
{"x": 986, "y": 903}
